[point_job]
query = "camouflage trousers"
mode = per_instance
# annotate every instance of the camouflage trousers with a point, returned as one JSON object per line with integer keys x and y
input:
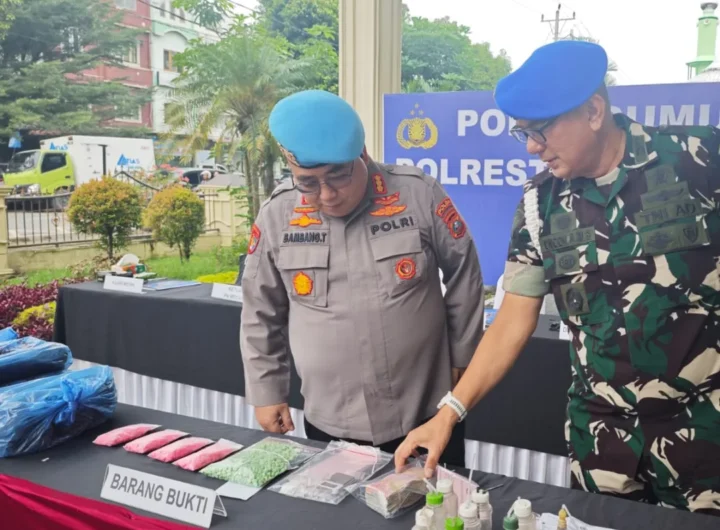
{"x": 672, "y": 461}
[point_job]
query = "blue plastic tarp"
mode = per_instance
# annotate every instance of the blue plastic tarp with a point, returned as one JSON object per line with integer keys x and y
{"x": 40, "y": 414}
{"x": 7, "y": 334}
{"x": 28, "y": 358}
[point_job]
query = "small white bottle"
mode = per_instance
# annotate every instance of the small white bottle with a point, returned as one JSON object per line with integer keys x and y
{"x": 422, "y": 522}
{"x": 525, "y": 516}
{"x": 469, "y": 514}
{"x": 434, "y": 503}
{"x": 450, "y": 500}
{"x": 481, "y": 499}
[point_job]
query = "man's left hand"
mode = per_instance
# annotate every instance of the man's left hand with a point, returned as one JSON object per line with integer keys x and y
{"x": 457, "y": 373}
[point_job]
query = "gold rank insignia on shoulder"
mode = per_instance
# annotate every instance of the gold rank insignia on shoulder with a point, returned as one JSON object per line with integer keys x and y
{"x": 388, "y": 200}
{"x": 379, "y": 185}
{"x": 305, "y": 220}
{"x": 303, "y": 284}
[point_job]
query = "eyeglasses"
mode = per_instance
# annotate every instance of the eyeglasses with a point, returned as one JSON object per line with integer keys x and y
{"x": 312, "y": 186}
{"x": 536, "y": 133}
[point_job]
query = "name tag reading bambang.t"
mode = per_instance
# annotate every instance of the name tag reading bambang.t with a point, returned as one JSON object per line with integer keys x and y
{"x": 163, "y": 496}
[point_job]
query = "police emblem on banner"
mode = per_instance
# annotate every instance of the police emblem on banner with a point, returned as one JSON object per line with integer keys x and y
{"x": 418, "y": 131}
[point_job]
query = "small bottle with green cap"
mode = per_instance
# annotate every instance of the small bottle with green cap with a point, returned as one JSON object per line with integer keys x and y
{"x": 434, "y": 503}
{"x": 454, "y": 523}
{"x": 510, "y": 522}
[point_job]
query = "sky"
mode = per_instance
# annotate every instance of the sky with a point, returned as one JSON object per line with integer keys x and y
{"x": 650, "y": 40}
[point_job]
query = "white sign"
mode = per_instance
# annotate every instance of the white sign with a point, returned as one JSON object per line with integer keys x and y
{"x": 163, "y": 496}
{"x": 123, "y": 284}
{"x": 223, "y": 291}
{"x": 564, "y": 331}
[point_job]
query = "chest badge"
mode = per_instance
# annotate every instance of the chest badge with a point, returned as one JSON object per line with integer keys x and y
{"x": 388, "y": 200}
{"x": 304, "y": 221}
{"x": 302, "y": 284}
{"x": 405, "y": 269}
{"x": 389, "y": 211}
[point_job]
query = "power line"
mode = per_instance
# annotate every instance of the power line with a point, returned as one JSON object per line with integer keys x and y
{"x": 556, "y": 22}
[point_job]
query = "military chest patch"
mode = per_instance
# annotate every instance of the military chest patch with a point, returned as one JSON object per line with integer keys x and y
{"x": 555, "y": 242}
{"x": 303, "y": 284}
{"x": 254, "y": 239}
{"x": 669, "y": 211}
{"x": 305, "y": 220}
{"x": 575, "y": 299}
{"x": 405, "y": 268}
{"x": 659, "y": 196}
{"x": 660, "y": 176}
{"x": 562, "y": 222}
{"x": 678, "y": 236}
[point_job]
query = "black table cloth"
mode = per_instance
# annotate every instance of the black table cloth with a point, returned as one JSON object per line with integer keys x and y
{"x": 78, "y": 467}
{"x": 184, "y": 336}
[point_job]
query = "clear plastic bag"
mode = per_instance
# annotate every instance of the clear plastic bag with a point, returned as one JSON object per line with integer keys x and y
{"x": 209, "y": 455}
{"x": 7, "y": 334}
{"x": 27, "y": 358}
{"x": 153, "y": 441}
{"x": 40, "y": 414}
{"x": 328, "y": 475}
{"x": 179, "y": 449}
{"x": 261, "y": 462}
{"x": 393, "y": 494}
{"x": 125, "y": 434}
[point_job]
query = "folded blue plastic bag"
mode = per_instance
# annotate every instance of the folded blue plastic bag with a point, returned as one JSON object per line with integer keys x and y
{"x": 28, "y": 358}
{"x": 7, "y": 334}
{"x": 40, "y": 414}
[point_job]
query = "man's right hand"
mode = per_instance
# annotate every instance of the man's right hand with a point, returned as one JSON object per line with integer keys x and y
{"x": 433, "y": 436}
{"x": 275, "y": 418}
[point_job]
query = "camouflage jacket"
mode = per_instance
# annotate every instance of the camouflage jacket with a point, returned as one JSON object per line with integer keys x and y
{"x": 632, "y": 261}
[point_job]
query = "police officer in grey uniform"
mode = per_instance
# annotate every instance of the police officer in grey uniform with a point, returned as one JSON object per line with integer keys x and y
{"x": 342, "y": 271}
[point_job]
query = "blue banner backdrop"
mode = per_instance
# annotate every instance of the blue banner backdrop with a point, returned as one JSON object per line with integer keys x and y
{"x": 463, "y": 139}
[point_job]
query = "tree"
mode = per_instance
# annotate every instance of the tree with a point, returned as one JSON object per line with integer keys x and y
{"x": 108, "y": 208}
{"x": 7, "y": 15}
{"x": 176, "y": 217}
{"x": 612, "y": 65}
{"x": 438, "y": 54}
{"x": 231, "y": 86}
{"x": 43, "y": 59}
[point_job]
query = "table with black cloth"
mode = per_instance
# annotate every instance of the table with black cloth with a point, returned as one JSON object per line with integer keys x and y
{"x": 184, "y": 335}
{"x": 78, "y": 467}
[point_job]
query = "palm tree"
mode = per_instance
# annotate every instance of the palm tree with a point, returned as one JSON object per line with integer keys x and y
{"x": 230, "y": 87}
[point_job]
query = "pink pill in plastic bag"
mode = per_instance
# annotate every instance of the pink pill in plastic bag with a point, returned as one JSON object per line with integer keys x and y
{"x": 153, "y": 441}
{"x": 209, "y": 455}
{"x": 179, "y": 449}
{"x": 125, "y": 434}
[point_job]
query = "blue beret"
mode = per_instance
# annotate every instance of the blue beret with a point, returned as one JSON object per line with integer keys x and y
{"x": 315, "y": 128}
{"x": 557, "y": 78}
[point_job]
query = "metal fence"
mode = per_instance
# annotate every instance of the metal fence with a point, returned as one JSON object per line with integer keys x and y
{"x": 42, "y": 221}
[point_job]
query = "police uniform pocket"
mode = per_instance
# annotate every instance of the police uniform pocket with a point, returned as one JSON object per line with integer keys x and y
{"x": 401, "y": 261}
{"x": 304, "y": 271}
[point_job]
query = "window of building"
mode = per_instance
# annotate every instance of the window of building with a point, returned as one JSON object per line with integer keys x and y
{"x": 132, "y": 54}
{"x": 168, "y": 57}
{"x": 135, "y": 117}
{"x": 161, "y": 8}
{"x": 130, "y": 5}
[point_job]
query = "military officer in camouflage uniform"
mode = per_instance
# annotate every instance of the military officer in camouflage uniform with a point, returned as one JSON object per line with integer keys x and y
{"x": 624, "y": 229}
{"x": 343, "y": 266}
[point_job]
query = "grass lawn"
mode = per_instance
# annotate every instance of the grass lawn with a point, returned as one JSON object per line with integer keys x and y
{"x": 167, "y": 267}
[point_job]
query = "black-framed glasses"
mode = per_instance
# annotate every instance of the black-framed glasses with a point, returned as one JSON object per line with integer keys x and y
{"x": 536, "y": 133}
{"x": 312, "y": 185}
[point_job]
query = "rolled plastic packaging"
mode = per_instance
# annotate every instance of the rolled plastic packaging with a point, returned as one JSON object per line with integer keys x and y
{"x": 40, "y": 414}
{"x": 179, "y": 449}
{"x": 27, "y": 358}
{"x": 211, "y": 454}
{"x": 7, "y": 334}
{"x": 125, "y": 434}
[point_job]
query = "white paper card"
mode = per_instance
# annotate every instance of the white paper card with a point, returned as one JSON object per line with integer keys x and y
{"x": 223, "y": 291}
{"x": 123, "y": 284}
{"x": 564, "y": 332}
{"x": 237, "y": 491}
{"x": 163, "y": 496}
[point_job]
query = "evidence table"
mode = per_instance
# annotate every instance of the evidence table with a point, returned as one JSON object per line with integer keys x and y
{"x": 78, "y": 467}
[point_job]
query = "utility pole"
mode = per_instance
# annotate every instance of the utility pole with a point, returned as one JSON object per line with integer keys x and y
{"x": 556, "y": 22}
